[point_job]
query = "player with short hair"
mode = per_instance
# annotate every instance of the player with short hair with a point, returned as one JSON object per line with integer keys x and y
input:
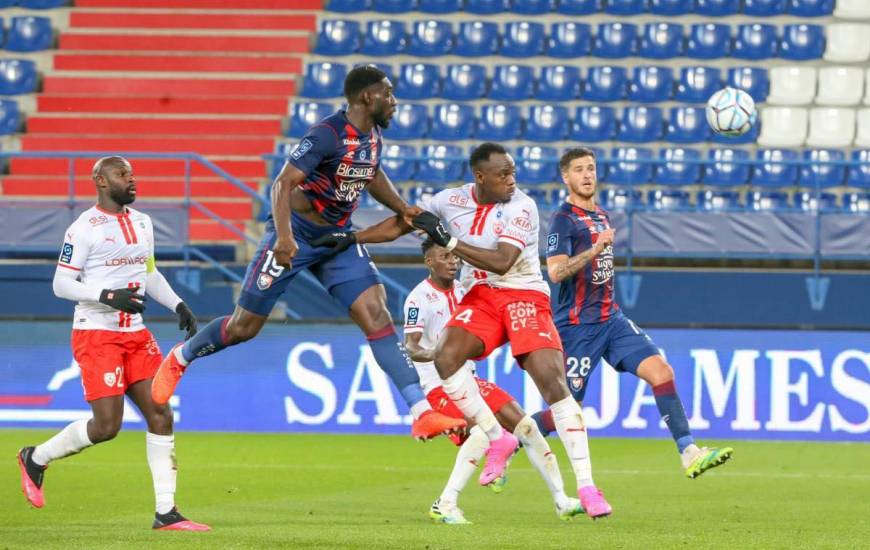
{"x": 106, "y": 260}
{"x": 315, "y": 195}
{"x": 591, "y": 324}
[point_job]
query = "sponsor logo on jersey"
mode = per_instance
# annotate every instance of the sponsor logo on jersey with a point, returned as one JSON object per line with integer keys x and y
{"x": 264, "y": 281}
{"x": 350, "y": 141}
{"x": 129, "y": 260}
{"x": 523, "y": 223}
{"x": 552, "y": 242}
{"x": 458, "y": 200}
{"x": 363, "y": 154}
{"x": 350, "y": 171}
{"x": 413, "y": 314}
{"x": 603, "y": 270}
{"x": 98, "y": 220}
{"x": 66, "y": 253}
{"x": 304, "y": 146}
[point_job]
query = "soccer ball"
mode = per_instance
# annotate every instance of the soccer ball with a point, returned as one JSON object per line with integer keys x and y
{"x": 731, "y": 112}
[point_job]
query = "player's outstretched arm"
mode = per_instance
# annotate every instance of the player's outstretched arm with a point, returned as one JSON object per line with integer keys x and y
{"x": 383, "y": 191}
{"x": 562, "y": 266}
{"x": 285, "y": 246}
{"x": 417, "y": 352}
{"x": 385, "y": 231}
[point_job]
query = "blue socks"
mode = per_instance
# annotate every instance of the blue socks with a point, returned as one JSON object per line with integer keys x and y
{"x": 544, "y": 420}
{"x": 671, "y": 409}
{"x": 210, "y": 339}
{"x": 393, "y": 359}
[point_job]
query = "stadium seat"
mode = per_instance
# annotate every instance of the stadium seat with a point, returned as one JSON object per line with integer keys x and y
{"x": 661, "y": 41}
{"x": 558, "y": 83}
{"x": 533, "y": 7}
{"x": 722, "y": 170}
{"x": 499, "y": 123}
{"x": 859, "y": 173}
{"x": 486, "y": 7}
{"x": 385, "y": 67}
{"x": 394, "y": 6}
{"x": 442, "y": 164}
{"x": 418, "y": 81}
{"x": 10, "y": 117}
{"x": 767, "y": 201}
{"x": 440, "y": 6}
{"x": 847, "y": 42}
{"x": 862, "y": 139}
{"x": 769, "y": 171}
{"x": 650, "y": 84}
{"x": 752, "y": 80}
{"x": 512, "y": 83}
{"x": 624, "y": 171}
{"x": 840, "y": 86}
{"x": 621, "y": 199}
{"x": 792, "y": 85}
{"x": 605, "y": 83}
{"x": 522, "y": 39}
{"x": 537, "y": 164}
{"x": 856, "y": 203}
{"x": 819, "y": 174}
{"x": 569, "y": 39}
{"x": 579, "y": 7}
{"x": 852, "y": 9}
{"x": 713, "y": 201}
{"x": 708, "y": 41}
{"x": 8, "y": 3}
{"x": 755, "y": 41}
{"x": 717, "y": 8}
{"x": 305, "y": 115}
{"x": 410, "y": 121}
{"x": 671, "y": 7}
{"x": 810, "y": 8}
{"x": 614, "y": 40}
{"x": 430, "y": 38}
{"x": 476, "y": 39}
{"x": 673, "y": 170}
{"x": 348, "y": 6}
{"x": 396, "y": 163}
{"x": 783, "y": 127}
{"x": 464, "y": 82}
{"x": 687, "y": 125}
{"x": 29, "y": 34}
{"x": 697, "y": 84}
{"x": 384, "y": 37}
{"x": 625, "y": 7}
{"x": 338, "y": 37}
{"x": 763, "y": 8}
{"x": 452, "y": 121}
{"x": 546, "y": 123}
{"x": 831, "y": 127}
{"x": 640, "y": 124}
{"x": 867, "y": 93}
{"x": 807, "y": 201}
{"x": 593, "y": 124}
{"x": 323, "y": 80}
{"x": 802, "y": 42}
{"x": 668, "y": 199}
{"x": 43, "y": 4}
{"x": 424, "y": 192}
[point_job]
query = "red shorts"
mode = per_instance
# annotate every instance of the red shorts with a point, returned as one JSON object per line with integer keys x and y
{"x": 495, "y": 399}
{"x": 498, "y": 315}
{"x": 112, "y": 361}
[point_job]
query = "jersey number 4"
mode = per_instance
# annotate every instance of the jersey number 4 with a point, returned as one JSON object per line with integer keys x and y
{"x": 464, "y": 316}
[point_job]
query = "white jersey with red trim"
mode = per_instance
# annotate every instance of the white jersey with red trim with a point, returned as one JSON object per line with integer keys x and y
{"x": 515, "y": 222}
{"x": 110, "y": 251}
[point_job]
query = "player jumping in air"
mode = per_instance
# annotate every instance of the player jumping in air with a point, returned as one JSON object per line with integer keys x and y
{"x": 107, "y": 265}
{"x": 591, "y": 324}
{"x": 314, "y": 195}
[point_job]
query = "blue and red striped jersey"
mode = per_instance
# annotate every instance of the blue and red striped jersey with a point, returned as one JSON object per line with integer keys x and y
{"x": 339, "y": 162}
{"x": 587, "y": 297}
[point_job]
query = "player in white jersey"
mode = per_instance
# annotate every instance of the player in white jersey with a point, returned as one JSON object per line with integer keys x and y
{"x": 107, "y": 266}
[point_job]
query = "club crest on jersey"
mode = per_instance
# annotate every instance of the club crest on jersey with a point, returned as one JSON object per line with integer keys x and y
{"x": 552, "y": 242}
{"x": 413, "y": 314}
{"x": 66, "y": 253}
{"x": 498, "y": 228}
{"x": 304, "y": 146}
{"x": 362, "y": 154}
{"x": 109, "y": 378}
{"x": 577, "y": 383}
{"x": 264, "y": 281}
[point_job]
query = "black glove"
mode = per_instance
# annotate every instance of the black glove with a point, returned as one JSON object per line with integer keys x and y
{"x": 186, "y": 320}
{"x": 429, "y": 222}
{"x": 124, "y": 299}
{"x": 339, "y": 241}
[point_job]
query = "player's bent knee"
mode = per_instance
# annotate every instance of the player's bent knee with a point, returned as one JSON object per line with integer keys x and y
{"x": 655, "y": 371}
{"x": 160, "y": 421}
{"x": 103, "y": 430}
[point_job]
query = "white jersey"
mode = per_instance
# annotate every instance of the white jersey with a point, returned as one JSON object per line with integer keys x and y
{"x": 515, "y": 222}
{"x": 427, "y": 310}
{"x": 110, "y": 251}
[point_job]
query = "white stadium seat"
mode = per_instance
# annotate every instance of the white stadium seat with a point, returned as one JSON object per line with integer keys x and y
{"x": 792, "y": 85}
{"x": 852, "y": 9}
{"x": 847, "y": 42}
{"x": 783, "y": 127}
{"x": 831, "y": 127}
{"x": 840, "y": 86}
{"x": 863, "y": 138}
{"x": 867, "y": 93}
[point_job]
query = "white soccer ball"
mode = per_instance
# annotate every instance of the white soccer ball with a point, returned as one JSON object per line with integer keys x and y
{"x": 731, "y": 112}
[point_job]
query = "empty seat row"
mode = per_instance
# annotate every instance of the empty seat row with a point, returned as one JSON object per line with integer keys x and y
{"x": 34, "y": 4}
{"x": 570, "y": 39}
{"x": 719, "y": 201}
{"x": 27, "y": 34}
{"x": 17, "y": 76}
{"x": 817, "y": 127}
{"x": 831, "y": 85}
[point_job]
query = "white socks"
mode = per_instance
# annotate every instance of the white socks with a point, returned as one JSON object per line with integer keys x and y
{"x": 180, "y": 356}
{"x": 161, "y": 459}
{"x": 68, "y": 441}
{"x": 462, "y": 389}
{"x": 542, "y": 458}
{"x": 467, "y": 459}
{"x": 569, "y": 423}
{"x": 418, "y": 408}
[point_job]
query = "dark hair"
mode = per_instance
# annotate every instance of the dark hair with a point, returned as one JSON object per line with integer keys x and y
{"x": 572, "y": 154}
{"x": 360, "y": 78}
{"x": 483, "y": 151}
{"x": 427, "y": 245}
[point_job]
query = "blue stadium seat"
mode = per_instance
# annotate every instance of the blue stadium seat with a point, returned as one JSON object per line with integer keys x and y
{"x": 10, "y": 117}
{"x": 558, "y": 195}
{"x": 752, "y": 80}
{"x": 767, "y": 201}
{"x": 625, "y": 7}
{"x": 533, "y": 7}
{"x": 764, "y": 8}
{"x": 512, "y": 83}
{"x": 486, "y": 7}
{"x": 452, "y": 121}
{"x": 687, "y": 125}
{"x": 522, "y": 39}
{"x": 593, "y": 123}
{"x": 338, "y": 37}
{"x": 464, "y": 82}
{"x": 396, "y": 163}
{"x": 348, "y": 6}
{"x": 769, "y": 171}
{"x": 621, "y": 199}
{"x": 431, "y": 38}
{"x": 8, "y": 3}
{"x": 823, "y": 175}
{"x": 323, "y": 80}
{"x": 440, "y": 6}
{"x": 802, "y": 42}
{"x": 539, "y": 195}
{"x": 717, "y": 8}
{"x": 499, "y": 122}
{"x": 537, "y": 164}
{"x": 605, "y": 83}
{"x": 385, "y": 67}
{"x": 807, "y": 201}
{"x": 546, "y": 123}
{"x": 384, "y": 37}
{"x": 623, "y": 171}
{"x": 394, "y": 6}
{"x": 43, "y": 4}
{"x": 305, "y": 115}
{"x": 443, "y": 164}
{"x": 615, "y": 40}
{"x": 29, "y": 34}
{"x": 723, "y": 171}
{"x": 650, "y": 84}
{"x": 569, "y": 39}
{"x": 712, "y": 201}
{"x": 422, "y": 191}
{"x": 671, "y": 7}
{"x": 668, "y": 199}
{"x": 558, "y": 83}
{"x": 856, "y": 203}
{"x": 476, "y": 39}
{"x": 810, "y": 8}
{"x": 859, "y": 174}
{"x": 673, "y": 168}
{"x": 755, "y": 41}
{"x": 640, "y": 124}
{"x": 410, "y": 121}
{"x": 661, "y": 41}
{"x": 579, "y": 7}
{"x": 418, "y": 81}
{"x": 708, "y": 41}
{"x": 697, "y": 84}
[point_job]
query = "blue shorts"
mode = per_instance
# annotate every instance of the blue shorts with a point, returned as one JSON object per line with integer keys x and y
{"x": 618, "y": 340}
{"x": 344, "y": 275}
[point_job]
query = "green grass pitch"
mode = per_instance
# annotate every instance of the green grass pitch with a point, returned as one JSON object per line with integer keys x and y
{"x": 323, "y": 491}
